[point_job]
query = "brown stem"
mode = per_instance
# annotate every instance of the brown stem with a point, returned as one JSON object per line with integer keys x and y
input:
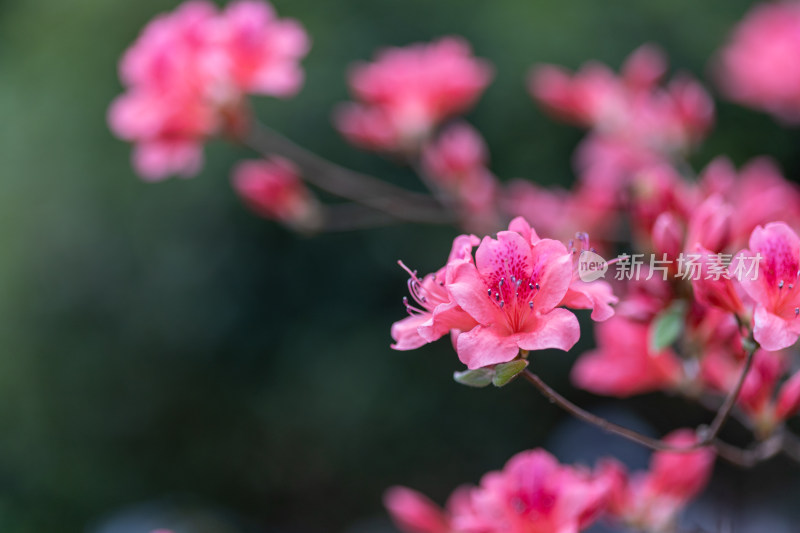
{"x": 352, "y": 216}
{"x": 725, "y": 411}
{"x": 602, "y": 423}
{"x": 749, "y": 457}
{"x": 361, "y": 188}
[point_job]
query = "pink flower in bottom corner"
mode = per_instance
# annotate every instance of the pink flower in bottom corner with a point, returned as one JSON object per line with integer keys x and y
{"x": 512, "y": 291}
{"x": 623, "y": 365}
{"x": 651, "y": 501}
{"x": 533, "y": 494}
{"x": 413, "y": 512}
{"x": 774, "y": 283}
{"x": 273, "y": 189}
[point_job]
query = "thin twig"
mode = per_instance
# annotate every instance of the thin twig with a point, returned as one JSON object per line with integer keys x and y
{"x": 352, "y": 216}
{"x": 602, "y": 423}
{"x": 337, "y": 180}
{"x": 748, "y": 458}
{"x": 730, "y": 401}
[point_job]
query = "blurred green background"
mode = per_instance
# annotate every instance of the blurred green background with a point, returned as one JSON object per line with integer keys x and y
{"x": 163, "y": 346}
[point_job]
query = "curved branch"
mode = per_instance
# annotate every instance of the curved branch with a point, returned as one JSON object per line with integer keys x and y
{"x": 730, "y": 402}
{"x": 602, "y": 423}
{"x": 337, "y": 180}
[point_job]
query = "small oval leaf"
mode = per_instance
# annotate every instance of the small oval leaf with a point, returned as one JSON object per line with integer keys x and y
{"x": 480, "y": 377}
{"x": 505, "y": 372}
{"x": 667, "y": 326}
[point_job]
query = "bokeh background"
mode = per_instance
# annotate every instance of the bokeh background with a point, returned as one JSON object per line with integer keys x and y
{"x": 169, "y": 359}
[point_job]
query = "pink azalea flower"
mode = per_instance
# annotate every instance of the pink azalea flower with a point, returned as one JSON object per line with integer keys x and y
{"x": 623, "y": 364}
{"x": 559, "y": 213}
{"x": 758, "y": 194}
{"x": 651, "y": 500}
{"x": 512, "y": 290}
{"x": 773, "y": 285}
{"x": 456, "y": 163}
{"x": 534, "y": 494}
{"x": 721, "y": 368}
{"x": 414, "y": 513}
{"x": 273, "y": 189}
{"x": 457, "y": 152}
{"x": 713, "y": 286}
{"x": 187, "y": 74}
{"x": 259, "y": 51}
{"x": 434, "y": 313}
{"x": 758, "y": 67}
{"x": 631, "y": 106}
{"x": 406, "y": 92}
{"x": 788, "y": 402}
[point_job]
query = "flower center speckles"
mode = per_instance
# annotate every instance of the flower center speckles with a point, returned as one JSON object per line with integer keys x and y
{"x": 515, "y": 297}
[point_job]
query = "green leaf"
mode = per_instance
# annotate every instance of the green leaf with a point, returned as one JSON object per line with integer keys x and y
{"x": 480, "y": 377}
{"x": 667, "y": 326}
{"x": 505, "y": 372}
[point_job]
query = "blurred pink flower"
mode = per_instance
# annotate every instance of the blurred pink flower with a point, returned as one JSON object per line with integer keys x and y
{"x": 788, "y": 402}
{"x": 623, "y": 365}
{"x": 273, "y": 189}
{"x": 773, "y": 285}
{"x": 651, "y": 500}
{"x": 187, "y": 74}
{"x": 413, "y": 512}
{"x": 259, "y": 52}
{"x": 534, "y": 494}
{"x": 757, "y": 194}
{"x": 762, "y": 397}
{"x": 456, "y": 164}
{"x": 713, "y": 285}
{"x": 406, "y": 92}
{"x": 457, "y": 152}
{"x": 559, "y": 213}
{"x": 631, "y": 106}
{"x": 758, "y": 67}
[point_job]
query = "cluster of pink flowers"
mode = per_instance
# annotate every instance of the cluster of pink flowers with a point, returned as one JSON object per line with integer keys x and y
{"x": 637, "y": 127}
{"x": 187, "y": 75}
{"x": 759, "y": 65}
{"x": 536, "y": 494}
{"x": 514, "y": 291}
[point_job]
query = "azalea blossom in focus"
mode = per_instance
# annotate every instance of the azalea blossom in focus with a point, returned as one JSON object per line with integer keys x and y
{"x": 406, "y": 92}
{"x": 187, "y": 74}
{"x": 511, "y": 292}
{"x": 274, "y": 190}
{"x": 758, "y": 67}
{"x": 776, "y": 289}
